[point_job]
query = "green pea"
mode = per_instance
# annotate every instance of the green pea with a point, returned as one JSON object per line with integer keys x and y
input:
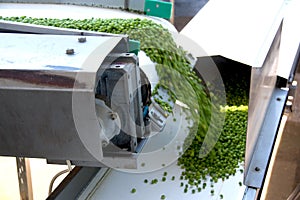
{"x": 133, "y": 190}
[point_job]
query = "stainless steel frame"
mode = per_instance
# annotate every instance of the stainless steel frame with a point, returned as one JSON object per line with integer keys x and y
{"x": 58, "y": 83}
{"x": 259, "y": 163}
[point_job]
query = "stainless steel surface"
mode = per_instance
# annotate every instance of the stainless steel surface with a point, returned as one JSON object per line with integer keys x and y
{"x": 24, "y": 177}
{"x": 91, "y": 187}
{"x": 259, "y": 162}
{"x": 262, "y": 84}
{"x": 136, "y": 4}
{"x": 250, "y": 193}
{"x": 48, "y": 97}
{"x": 74, "y": 184}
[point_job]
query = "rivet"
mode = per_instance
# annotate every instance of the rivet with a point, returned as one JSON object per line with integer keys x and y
{"x": 70, "y": 51}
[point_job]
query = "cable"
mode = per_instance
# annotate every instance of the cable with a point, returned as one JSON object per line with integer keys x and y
{"x": 59, "y": 174}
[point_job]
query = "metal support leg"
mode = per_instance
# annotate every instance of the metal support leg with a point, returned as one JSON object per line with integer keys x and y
{"x": 24, "y": 176}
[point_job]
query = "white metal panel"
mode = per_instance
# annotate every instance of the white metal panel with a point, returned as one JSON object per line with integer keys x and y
{"x": 239, "y": 30}
{"x": 48, "y": 52}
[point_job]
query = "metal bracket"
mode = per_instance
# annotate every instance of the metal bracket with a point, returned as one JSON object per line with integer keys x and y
{"x": 24, "y": 177}
{"x": 267, "y": 136}
{"x": 74, "y": 183}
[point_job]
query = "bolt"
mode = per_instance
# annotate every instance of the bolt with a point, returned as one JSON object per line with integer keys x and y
{"x": 113, "y": 116}
{"x": 82, "y": 39}
{"x": 257, "y": 169}
{"x": 70, "y": 51}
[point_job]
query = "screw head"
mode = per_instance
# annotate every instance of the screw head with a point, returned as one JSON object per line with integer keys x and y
{"x": 70, "y": 51}
{"x": 257, "y": 169}
{"x": 82, "y": 39}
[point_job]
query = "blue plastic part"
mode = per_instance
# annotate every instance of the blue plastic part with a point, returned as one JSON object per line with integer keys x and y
{"x": 146, "y": 110}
